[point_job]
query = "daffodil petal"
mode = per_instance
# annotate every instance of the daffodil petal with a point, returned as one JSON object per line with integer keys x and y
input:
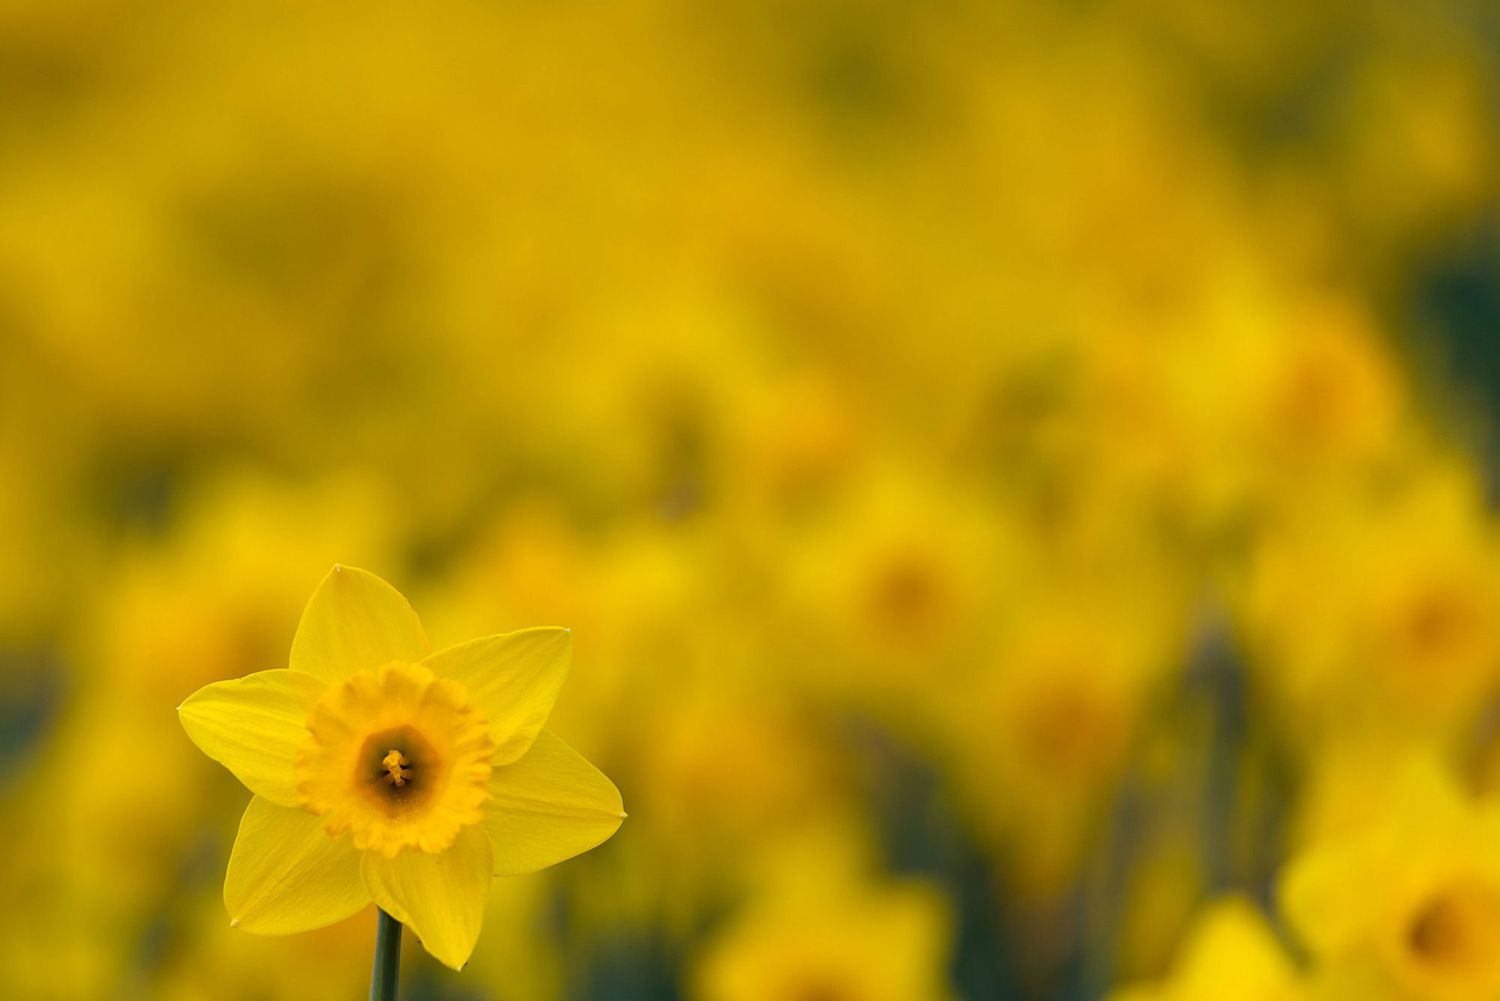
{"x": 253, "y": 726}
{"x": 287, "y": 874}
{"x": 1315, "y": 889}
{"x": 440, "y": 896}
{"x": 355, "y": 620}
{"x": 514, "y": 678}
{"x": 548, "y": 806}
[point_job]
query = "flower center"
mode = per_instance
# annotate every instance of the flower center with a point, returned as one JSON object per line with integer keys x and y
{"x": 398, "y": 757}
{"x": 403, "y": 777}
{"x": 1456, "y": 931}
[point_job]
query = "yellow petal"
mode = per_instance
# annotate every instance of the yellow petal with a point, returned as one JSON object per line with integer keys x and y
{"x": 1232, "y": 954}
{"x": 514, "y": 678}
{"x": 1323, "y": 892}
{"x": 439, "y": 896}
{"x": 549, "y": 806}
{"x": 355, "y": 620}
{"x": 286, "y": 874}
{"x": 253, "y": 726}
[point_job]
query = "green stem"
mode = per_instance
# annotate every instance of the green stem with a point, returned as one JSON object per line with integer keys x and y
{"x": 387, "y": 959}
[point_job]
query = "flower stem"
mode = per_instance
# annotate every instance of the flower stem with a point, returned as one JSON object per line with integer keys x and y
{"x": 387, "y": 958}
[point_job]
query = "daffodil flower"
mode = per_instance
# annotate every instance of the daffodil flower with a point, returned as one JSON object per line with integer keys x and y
{"x": 383, "y": 772}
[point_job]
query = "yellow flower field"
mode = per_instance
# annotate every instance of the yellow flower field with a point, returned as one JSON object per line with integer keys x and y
{"x": 1020, "y": 479}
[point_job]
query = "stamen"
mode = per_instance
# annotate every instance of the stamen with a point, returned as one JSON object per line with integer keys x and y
{"x": 396, "y": 767}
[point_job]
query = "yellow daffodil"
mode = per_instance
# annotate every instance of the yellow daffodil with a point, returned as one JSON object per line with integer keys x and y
{"x": 1410, "y": 898}
{"x": 883, "y": 942}
{"x": 1230, "y": 954}
{"x": 1373, "y": 613}
{"x": 383, "y": 772}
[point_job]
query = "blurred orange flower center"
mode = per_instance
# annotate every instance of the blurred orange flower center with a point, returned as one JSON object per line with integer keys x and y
{"x": 1456, "y": 929}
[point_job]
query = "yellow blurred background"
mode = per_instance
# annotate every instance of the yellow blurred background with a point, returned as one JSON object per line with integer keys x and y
{"x": 1020, "y": 477}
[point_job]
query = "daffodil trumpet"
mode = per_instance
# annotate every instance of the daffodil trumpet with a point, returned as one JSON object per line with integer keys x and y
{"x": 384, "y": 772}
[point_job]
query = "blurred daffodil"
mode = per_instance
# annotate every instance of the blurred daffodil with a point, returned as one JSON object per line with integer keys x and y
{"x": 857, "y": 943}
{"x": 384, "y": 772}
{"x": 1410, "y": 899}
{"x": 1229, "y": 955}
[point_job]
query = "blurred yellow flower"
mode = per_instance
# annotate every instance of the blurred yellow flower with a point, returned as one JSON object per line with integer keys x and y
{"x": 1411, "y": 898}
{"x": 1229, "y": 955}
{"x": 384, "y": 772}
{"x": 1375, "y": 609}
{"x": 856, "y": 943}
